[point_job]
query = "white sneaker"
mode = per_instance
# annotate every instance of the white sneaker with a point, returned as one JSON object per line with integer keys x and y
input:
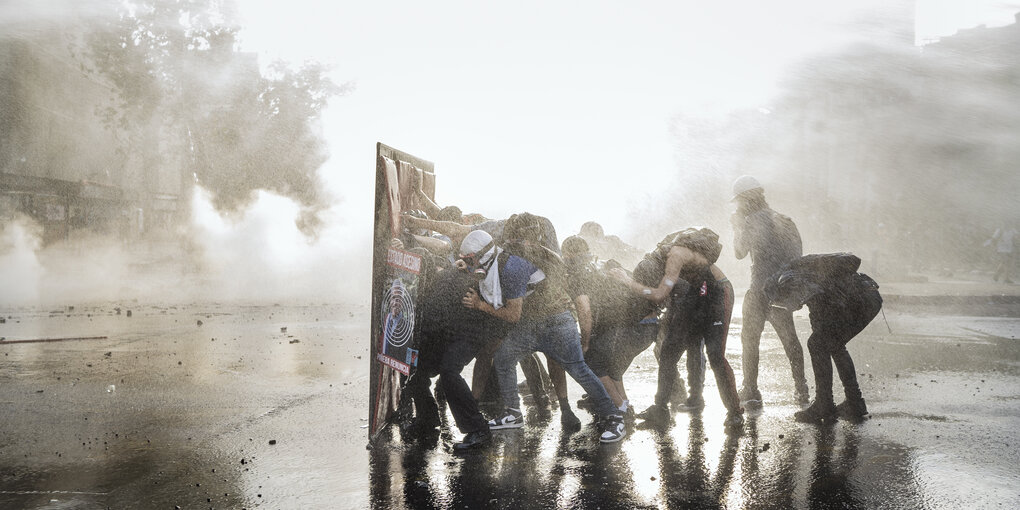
{"x": 613, "y": 429}
{"x": 512, "y": 420}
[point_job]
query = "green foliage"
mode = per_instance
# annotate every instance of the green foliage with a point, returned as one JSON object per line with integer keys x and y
{"x": 185, "y": 94}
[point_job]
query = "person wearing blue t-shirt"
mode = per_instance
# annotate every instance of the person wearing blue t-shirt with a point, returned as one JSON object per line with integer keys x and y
{"x": 515, "y": 290}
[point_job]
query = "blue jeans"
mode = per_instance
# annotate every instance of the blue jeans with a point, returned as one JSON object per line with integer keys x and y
{"x": 558, "y": 337}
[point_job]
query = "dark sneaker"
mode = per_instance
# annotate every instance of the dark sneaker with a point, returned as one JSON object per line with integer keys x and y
{"x": 852, "y": 410}
{"x": 569, "y": 421}
{"x": 816, "y": 413}
{"x": 693, "y": 404}
{"x": 612, "y": 429}
{"x": 473, "y": 440}
{"x": 655, "y": 415}
{"x": 511, "y": 419}
{"x": 734, "y": 419}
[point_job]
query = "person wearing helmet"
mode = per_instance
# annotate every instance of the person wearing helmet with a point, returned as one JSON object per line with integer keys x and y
{"x": 773, "y": 241}
{"x": 841, "y": 302}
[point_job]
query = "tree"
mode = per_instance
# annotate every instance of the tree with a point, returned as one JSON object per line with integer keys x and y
{"x": 186, "y": 97}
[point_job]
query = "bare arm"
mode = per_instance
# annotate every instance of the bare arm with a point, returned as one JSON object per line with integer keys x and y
{"x": 717, "y": 273}
{"x": 455, "y": 231}
{"x": 679, "y": 257}
{"x": 584, "y": 319}
{"x": 437, "y": 246}
{"x": 740, "y": 248}
{"x": 510, "y": 312}
{"x": 426, "y": 204}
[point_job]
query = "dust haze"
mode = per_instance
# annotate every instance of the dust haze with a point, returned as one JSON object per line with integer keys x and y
{"x": 145, "y": 156}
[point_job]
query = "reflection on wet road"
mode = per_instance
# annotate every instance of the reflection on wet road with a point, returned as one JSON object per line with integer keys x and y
{"x": 165, "y": 412}
{"x": 683, "y": 467}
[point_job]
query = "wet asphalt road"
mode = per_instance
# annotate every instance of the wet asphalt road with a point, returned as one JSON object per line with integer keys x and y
{"x": 237, "y": 413}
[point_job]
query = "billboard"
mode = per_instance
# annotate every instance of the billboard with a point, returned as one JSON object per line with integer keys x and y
{"x": 395, "y": 276}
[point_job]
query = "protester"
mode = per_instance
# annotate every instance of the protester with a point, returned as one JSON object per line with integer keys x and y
{"x": 534, "y": 372}
{"x": 772, "y": 240}
{"x": 697, "y": 313}
{"x": 841, "y": 302}
{"x": 457, "y": 333}
{"x": 516, "y": 290}
{"x": 609, "y": 247}
{"x": 616, "y": 325}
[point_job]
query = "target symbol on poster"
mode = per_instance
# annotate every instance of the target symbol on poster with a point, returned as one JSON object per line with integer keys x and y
{"x": 399, "y": 312}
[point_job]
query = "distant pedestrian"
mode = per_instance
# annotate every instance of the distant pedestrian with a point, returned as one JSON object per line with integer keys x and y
{"x": 841, "y": 303}
{"x": 772, "y": 240}
{"x": 1005, "y": 249}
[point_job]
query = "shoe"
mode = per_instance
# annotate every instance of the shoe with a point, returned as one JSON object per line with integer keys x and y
{"x": 852, "y": 410}
{"x": 569, "y": 421}
{"x": 734, "y": 419}
{"x": 512, "y": 419}
{"x": 655, "y": 415}
{"x": 693, "y": 404}
{"x": 816, "y": 413}
{"x": 613, "y": 429}
{"x": 472, "y": 440}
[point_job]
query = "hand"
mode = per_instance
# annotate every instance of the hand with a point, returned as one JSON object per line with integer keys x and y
{"x": 460, "y": 265}
{"x": 471, "y": 300}
{"x": 396, "y": 243}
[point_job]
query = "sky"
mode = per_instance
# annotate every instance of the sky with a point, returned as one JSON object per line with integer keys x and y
{"x": 559, "y": 108}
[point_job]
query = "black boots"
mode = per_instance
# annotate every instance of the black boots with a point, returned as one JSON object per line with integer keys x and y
{"x": 473, "y": 440}
{"x": 851, "y": 410}
{"x": 816, "y": 413}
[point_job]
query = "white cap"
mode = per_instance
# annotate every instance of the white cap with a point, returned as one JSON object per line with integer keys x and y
{"x": 744, "y": 184}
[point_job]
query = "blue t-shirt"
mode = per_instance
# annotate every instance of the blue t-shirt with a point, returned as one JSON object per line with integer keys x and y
{"x": 514, "y": 276}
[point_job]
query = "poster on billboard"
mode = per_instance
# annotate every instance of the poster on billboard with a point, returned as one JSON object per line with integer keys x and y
{"x": 395, "y": 281}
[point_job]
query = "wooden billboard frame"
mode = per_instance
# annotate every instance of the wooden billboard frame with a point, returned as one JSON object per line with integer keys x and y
{"x": 383, "y": 230}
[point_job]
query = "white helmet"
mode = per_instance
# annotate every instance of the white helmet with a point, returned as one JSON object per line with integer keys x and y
{"x": 744, "y": 184}
{"x": 477, "y": 243}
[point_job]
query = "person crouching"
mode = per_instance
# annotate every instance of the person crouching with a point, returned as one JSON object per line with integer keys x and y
{"x": 841, "y": 303}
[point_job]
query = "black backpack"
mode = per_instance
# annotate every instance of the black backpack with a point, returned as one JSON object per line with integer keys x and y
{"x": 829, "y": 266}
{"x": 701, "y": 240}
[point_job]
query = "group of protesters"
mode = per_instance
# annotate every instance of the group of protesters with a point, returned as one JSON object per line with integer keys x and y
{"x": 497, "y": 292}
